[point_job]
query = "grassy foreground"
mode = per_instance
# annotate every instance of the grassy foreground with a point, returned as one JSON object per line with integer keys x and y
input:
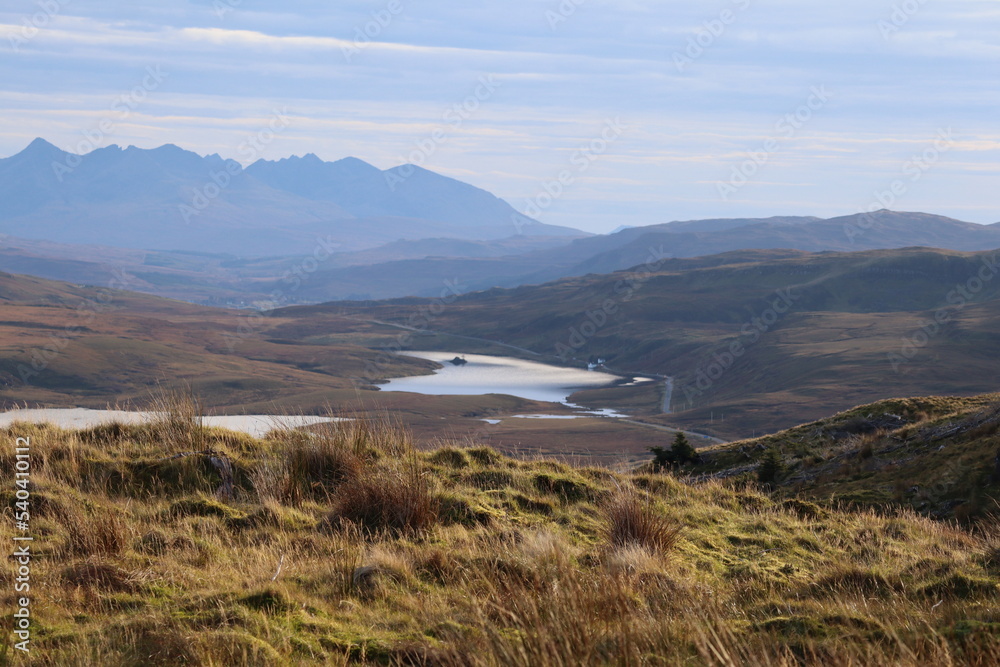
{"x": 348, "y": 545}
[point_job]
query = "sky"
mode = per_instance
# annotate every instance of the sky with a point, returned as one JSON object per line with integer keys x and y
{"x": 588, "y": 113}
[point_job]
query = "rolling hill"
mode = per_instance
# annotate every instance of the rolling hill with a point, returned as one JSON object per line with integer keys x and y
{"x": 419, "y": 266}
{"x": 939, "y": 456}
{"x": 812, "y": 333}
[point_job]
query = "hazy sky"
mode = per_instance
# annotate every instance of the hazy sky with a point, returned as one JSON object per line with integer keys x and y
{"x": 683, "y": 93}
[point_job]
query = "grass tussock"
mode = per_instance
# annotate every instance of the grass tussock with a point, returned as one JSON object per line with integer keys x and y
{"x": 633, "y": 520}
{"x": 345, "y": 545}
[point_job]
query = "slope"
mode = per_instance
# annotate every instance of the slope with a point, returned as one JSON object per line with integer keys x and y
{"x": 812, "y": 333}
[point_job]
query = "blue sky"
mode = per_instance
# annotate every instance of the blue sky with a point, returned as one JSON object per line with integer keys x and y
{"x": 647, "y": 111}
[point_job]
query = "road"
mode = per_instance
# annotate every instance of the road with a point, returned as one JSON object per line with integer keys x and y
{"x": 668, "y": 394}
{"x": 446, "y": 333}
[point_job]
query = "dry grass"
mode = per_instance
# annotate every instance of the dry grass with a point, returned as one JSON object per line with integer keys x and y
{"x": 633, "y": 520}
{"x": 385, "y": 555}
{"x": 393, "y": 496}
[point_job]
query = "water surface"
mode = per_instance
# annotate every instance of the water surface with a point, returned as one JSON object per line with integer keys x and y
{"x": 81, "y": 418}
{"x": 499, "y": 375}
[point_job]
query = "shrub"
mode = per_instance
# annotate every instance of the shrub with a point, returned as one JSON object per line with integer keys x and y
{"x": 96, "y": 574}
{"x": 451, "y": 457}
{"x": 316, "y": 466}
{"x": 680, "y": 453}
{"x": 395, "y": 497}
{"x": 106, "y": 532}
{"x": 771, "y": 467}
{"x": 632, "y": 520}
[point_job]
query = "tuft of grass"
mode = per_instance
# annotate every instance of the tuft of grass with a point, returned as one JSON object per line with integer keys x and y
{"x": 633, "y": 520}
{"x": 393, "y": 496}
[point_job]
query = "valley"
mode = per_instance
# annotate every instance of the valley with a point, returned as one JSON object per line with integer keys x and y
{"x": 753, "y": 343}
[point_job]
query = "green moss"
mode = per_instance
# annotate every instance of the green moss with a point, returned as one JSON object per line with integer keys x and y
{"x": 269, "y": 601}
{"x": 489, "y": 479}
{"x": 450, "y": 457}
{"x": 568, "y": 489}
{"x": 855, "y": 581}
{"x": 804, "y": 509}
{"x": 526, "y": 504}
{"x": 960, "y": 586}
{"x": 485, "y": 456}
{"x": 456, "y": 509}
{"x": 208, "y": 507}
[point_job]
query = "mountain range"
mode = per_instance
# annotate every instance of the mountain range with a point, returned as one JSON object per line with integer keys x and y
{"x": 172, "y": 199}
{"x": 206, "y": 230}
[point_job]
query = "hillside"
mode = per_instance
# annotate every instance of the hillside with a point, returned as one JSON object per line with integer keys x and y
{"x": 223, "y": 278}
{"x": 939, "y": 456}
{"x": 68, "y": 346}
{"x": 349, "y": 546}
{"x": 814, "y": 333}
{"x": 401, "y": 263}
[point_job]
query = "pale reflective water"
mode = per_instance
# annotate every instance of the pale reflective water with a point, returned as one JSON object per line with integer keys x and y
{"x": 499, "y": 375}
{"x": 79, "y": 418}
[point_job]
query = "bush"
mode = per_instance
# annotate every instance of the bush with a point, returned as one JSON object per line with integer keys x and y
{"x": 389, "y": 497}
{"x": 312, "y": 468}
{"x": 633, "y": 520}
{"x": 771, "y": 467}
{"x": 680, "y": 453}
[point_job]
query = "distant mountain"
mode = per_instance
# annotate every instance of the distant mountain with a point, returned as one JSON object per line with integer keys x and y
{"x": 881, "y": 230}
{"x": 640, "y": 247}
{"x": 406, "y": 191}
{"x": 172, "y": 199}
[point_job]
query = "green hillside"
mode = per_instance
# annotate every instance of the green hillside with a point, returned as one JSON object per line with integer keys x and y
{"x": 167, "y": 544}
{"x": 938, "y": 456}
